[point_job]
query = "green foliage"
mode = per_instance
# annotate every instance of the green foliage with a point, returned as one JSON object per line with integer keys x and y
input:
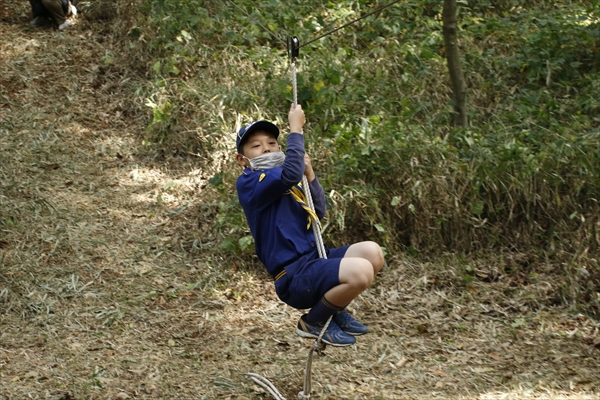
{"x": 161, "y": 119}
{"x": 524, "y": 175}
{"x": 233, "y": 223}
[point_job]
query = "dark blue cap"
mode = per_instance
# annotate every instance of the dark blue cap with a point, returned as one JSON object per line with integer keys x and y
{"x": 253, "y": 127}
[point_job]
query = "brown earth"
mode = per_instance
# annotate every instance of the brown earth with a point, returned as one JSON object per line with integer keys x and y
{"x": 112, "y": 287}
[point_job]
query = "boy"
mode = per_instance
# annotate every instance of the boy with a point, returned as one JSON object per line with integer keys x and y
{"x": 271, "y": 196}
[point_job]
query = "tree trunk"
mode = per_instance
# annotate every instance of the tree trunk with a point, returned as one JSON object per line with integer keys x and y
{"x": 457, "y": 79}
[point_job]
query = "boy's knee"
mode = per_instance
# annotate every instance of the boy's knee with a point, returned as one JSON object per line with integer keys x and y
{"x": 358, "y": 272}
{"x": 376, "y": 256}
{"x": 364, "y": 279}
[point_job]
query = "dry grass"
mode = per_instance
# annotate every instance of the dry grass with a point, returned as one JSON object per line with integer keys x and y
{"x": 109, "y": 292}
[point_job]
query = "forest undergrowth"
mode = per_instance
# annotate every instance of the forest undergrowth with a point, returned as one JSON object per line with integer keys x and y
{"x": 115, "y": 282}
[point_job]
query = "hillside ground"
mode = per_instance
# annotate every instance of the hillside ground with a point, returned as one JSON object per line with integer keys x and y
{"x": 110, "y": 287}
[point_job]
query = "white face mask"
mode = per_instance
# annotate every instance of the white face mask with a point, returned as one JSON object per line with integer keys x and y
{"x": 266, "y": 161}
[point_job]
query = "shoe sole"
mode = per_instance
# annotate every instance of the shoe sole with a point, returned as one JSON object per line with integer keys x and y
{"x": 355, "y": 334}
{"x": 307, "y": 335}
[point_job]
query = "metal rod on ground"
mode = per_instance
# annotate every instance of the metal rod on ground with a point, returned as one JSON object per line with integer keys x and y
{"x": 266, "y": 384}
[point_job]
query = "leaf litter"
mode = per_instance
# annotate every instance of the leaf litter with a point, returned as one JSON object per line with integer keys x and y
{"x": 108, "y": 292}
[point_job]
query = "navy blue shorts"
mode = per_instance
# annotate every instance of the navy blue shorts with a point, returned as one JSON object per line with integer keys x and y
{"x": 307, "y": 280}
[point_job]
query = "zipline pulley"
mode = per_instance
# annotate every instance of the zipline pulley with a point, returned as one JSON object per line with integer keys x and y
{"x": 293, "y": 47}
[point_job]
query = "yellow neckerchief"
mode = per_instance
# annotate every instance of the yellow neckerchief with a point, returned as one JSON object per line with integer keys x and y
{"x": 301, "y": 199}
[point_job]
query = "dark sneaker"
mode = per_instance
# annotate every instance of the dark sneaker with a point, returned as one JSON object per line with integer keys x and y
{"x": 349, "y": 325}
{"x": 333, "y": 336}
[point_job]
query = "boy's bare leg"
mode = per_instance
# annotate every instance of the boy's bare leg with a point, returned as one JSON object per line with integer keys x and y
{"x": 356, "y": 274}
{"x": 359, "y": 266}
{"x": 369, "y": 251}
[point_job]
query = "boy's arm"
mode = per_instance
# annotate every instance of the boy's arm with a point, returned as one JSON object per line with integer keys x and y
{"x": 294, "y": 164}
{"x": 296, "y": 119}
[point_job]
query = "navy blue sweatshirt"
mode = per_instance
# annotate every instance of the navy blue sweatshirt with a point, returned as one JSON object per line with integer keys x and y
{"x": 277, "y": 221}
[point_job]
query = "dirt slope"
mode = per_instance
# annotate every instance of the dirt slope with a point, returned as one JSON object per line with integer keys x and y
{"x": 109, "y": 288}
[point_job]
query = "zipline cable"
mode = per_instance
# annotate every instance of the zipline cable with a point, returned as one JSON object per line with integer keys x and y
{"x": 351, "y": 22}
{"x": 323, "y": 35}
{"x": 258, "y": 23}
